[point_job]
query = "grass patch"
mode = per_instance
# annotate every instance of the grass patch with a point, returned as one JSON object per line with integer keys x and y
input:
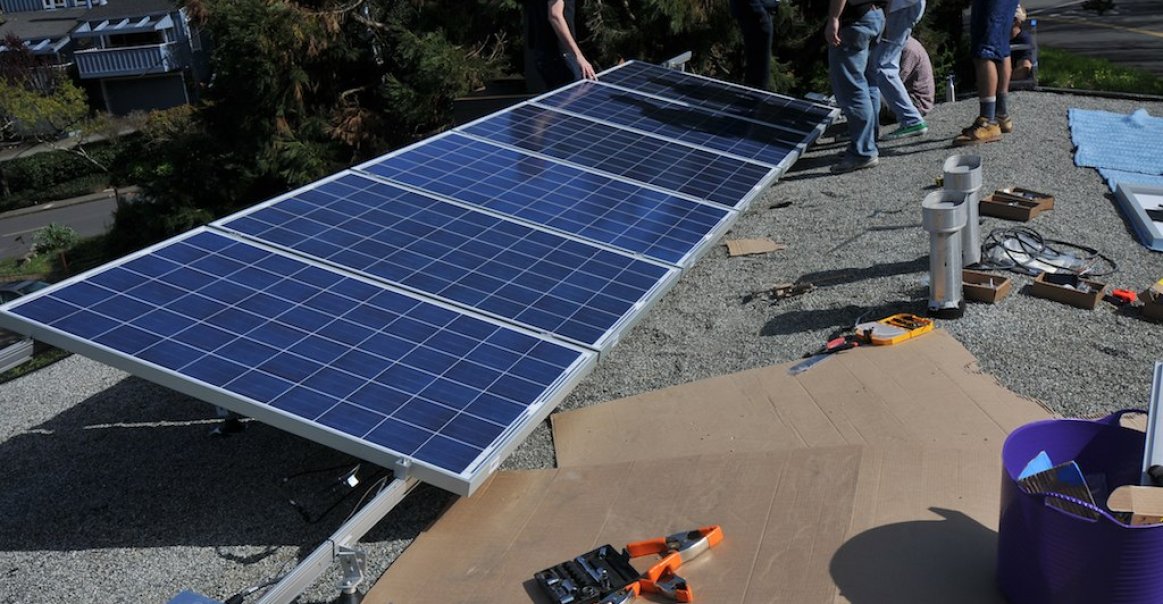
{"x": 1062, "y": 69}
{"x": 39, "y": 360}
{"x": 84, "y": 255}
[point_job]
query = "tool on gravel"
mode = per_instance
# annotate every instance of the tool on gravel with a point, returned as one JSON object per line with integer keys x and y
{"x": 884, "y": 332}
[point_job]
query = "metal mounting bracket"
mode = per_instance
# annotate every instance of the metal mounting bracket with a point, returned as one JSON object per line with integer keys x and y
{"x": 342, "y": 545}
{"x": 353, "y": 564}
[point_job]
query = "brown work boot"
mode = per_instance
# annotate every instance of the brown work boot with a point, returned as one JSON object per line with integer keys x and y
{"x": 1005, "y": 123}
{"x": 980, "y": 132}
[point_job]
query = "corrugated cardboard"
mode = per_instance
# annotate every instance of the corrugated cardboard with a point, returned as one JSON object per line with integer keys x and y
{"x": 925, "y": 390}
{"x": 745, "y": 247}
{"x": 836, "y": 524}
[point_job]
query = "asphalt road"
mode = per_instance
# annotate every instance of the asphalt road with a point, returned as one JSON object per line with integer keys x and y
{"x": 89, "y": 216}
{"x": 1130, "y": 34}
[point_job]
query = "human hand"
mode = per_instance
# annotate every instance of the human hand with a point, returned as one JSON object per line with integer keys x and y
{"x": 587, "y": 70}
{"x": 832, "y": 31}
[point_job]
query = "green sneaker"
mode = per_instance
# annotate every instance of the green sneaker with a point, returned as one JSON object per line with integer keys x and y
{"x": 917, "y": 129}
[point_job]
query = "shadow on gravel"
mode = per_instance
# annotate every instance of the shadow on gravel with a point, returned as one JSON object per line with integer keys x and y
{"x": 842, "y": 319}
{"x": 842, "y": 276}
{"x": 136, "y": 466}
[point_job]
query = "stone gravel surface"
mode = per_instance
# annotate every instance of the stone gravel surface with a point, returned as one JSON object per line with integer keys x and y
{"x": 113, "y": 490}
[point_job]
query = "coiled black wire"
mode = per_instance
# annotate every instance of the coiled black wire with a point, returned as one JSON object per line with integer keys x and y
{"x": 1080, "y": 259}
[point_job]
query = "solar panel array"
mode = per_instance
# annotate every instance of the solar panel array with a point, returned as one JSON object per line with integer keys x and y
{"x": 432, "y": 306}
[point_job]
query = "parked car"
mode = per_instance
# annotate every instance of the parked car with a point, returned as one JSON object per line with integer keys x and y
{"x": 15, "y": 289}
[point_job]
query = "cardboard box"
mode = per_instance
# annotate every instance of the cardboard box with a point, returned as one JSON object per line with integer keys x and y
{"x": 1015, "y": 203}
{"x": 1055, "y": 287}
{"x": 984, "y": 287}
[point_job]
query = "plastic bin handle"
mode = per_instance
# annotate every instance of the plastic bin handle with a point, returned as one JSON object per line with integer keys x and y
{"x": 1113, "y": 418}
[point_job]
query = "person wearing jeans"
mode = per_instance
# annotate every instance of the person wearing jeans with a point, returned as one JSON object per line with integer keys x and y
{"x": 902, "y": 16}
{"x": 754, "y": 17}
{"x": 850, "y": 32}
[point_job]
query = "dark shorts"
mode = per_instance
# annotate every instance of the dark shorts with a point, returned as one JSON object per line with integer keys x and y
{"x": 990, "y": 22}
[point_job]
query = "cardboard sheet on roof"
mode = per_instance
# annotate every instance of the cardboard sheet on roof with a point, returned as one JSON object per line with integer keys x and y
{"x": 903, "y": 523}
{"x": 926, "y": 390}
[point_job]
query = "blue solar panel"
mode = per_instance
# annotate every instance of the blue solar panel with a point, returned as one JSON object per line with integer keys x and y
{"x": 570, "y": 288}
{"x": 345, "y": 356}
{"x": 590, "y": 205}
{"x": 785, "y": 112}
{"x": 717, "y": 131}
{"x": 659, "y": 162}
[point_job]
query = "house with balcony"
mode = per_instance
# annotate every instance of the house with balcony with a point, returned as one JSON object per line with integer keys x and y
{"x": 131, "y": 55}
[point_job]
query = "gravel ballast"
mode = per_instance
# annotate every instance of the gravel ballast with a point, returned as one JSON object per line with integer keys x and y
{"x": 113, "y": 490}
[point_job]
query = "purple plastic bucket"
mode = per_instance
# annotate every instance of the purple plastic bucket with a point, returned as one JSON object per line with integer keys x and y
{"x": 1048, "y": 556}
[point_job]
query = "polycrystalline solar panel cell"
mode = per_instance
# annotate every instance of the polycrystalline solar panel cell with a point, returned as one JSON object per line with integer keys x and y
{"x": 648, "y": 159}
{"x": 783, "y": 111}
{"x": 333, "y": 354}
{"x": 559, "y": 196}
{"x": 693, "y": 125}
{"x": 551, "y": 283}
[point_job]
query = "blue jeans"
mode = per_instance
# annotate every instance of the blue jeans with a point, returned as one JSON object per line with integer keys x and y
{"x": 989, "y": 28}
{"x": 853, "y": 79}
{"x": 754, "y": 17}
{"x": 897, "y": 26}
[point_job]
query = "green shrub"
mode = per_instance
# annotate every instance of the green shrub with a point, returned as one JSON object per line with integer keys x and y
{"x": 44, "y": 170}
{"x": 54, "y": 237}
{"x": 73, "y": 188}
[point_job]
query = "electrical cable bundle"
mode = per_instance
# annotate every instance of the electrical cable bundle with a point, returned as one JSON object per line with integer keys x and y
{"x": 1024, "y": 250}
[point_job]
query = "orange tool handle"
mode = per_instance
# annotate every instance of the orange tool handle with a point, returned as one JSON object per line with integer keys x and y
{"x": 690, "y": 543}
{"x": 662, "y": 578}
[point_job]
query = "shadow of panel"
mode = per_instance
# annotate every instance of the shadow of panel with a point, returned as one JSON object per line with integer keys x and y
{"x": 136, "y": 466}
{"x": 949, "y": 561}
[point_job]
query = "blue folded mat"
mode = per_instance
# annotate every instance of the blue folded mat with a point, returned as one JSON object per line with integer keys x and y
{"x": 1129, "y": 143}
{"x": 1114, "y": 177}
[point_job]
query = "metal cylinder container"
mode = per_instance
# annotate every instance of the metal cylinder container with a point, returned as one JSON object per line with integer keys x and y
{"x": 944, "y": 216}
{"x": 963, "y": 175}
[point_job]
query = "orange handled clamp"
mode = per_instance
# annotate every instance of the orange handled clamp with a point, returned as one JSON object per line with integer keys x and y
{"x": 675, "y": 549}
{"x": 622, "y": 596}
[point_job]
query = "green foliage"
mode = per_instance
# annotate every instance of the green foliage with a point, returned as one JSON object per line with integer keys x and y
{"x": 37, "y": 101}
{"x": 142, "y": 222}
{"x": 53, "y": 238}
{"x": 42, "y": 171}
{"x": 1062, "y": 69}
{"x": 83, "y": 185}
{"x": 31, "y": 113}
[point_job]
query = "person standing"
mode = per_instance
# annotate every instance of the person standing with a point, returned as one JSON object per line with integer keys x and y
{"x": 989, "y": 44}
{"x": 551, "y": 39}
{"x": 754, "y": 18}
{"x": 850, "y": 32}
{"x": 902, "y": 17}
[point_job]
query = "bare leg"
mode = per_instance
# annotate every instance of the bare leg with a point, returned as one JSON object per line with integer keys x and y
{"x": 1005, "y": 69}
{"x": 987, "y": 77}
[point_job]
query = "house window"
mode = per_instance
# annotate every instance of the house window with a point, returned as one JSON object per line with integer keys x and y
{"x": 148, "y": 38}
{"x": 51, "y": 4}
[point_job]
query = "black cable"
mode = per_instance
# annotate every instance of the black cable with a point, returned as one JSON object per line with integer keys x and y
{"x": 1036, "y": 248}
